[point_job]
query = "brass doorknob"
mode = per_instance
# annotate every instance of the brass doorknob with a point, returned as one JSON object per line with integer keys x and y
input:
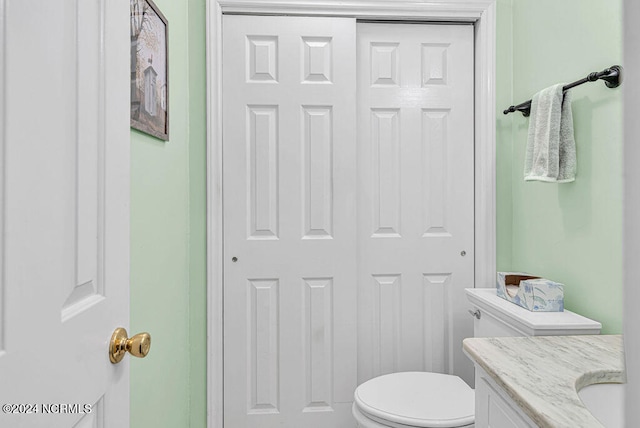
{"x": 120, "y": 344}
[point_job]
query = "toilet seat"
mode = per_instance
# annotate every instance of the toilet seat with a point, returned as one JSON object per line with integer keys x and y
{"x": 417, "y": 399}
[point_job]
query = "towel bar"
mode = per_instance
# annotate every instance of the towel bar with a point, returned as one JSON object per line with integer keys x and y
{"x": 612, "y": 77}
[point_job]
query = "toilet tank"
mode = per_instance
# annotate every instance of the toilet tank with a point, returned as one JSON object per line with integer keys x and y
{"x": 495, "y": 317}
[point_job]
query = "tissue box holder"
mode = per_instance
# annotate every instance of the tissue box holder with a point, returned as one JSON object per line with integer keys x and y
{"x": 531, "y": 292}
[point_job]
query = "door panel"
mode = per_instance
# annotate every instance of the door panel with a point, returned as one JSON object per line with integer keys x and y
{"x": 289, "y": 213}
{"x": 65, "y": 211}
{"x": 415, "y": 197}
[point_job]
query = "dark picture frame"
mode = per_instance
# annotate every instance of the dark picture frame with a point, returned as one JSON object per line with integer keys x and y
{"x": 149, "y": 69}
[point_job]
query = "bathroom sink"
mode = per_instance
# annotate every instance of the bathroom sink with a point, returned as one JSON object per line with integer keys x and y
{"x": 605, "y": 401}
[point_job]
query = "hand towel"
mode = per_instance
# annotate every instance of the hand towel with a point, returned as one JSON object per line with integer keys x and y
{"x": 551, "y": 147}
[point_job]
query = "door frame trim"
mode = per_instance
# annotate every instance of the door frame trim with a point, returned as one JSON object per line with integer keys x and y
{"x": 482, "y": 13}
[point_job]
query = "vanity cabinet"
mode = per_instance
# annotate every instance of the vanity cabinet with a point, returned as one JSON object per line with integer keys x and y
{"x": 494, "y": 408}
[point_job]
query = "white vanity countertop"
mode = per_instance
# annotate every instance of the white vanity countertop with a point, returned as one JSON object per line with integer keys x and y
{"x": 543, "y": 374}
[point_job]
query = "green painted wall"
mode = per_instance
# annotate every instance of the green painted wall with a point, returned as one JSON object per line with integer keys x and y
{"x": 197, "y": 214}
{"x": 504, "y": 94}
{"x": 168, "y": 249}
{"x": 571, "y": 233}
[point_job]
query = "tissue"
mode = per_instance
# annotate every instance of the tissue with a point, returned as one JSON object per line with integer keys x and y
{"x": 531, "y": 292}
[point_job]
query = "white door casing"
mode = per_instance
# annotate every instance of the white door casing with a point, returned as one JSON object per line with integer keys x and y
{"x": 415, "y": 197}
{"x": 64, "y": 209}
{"x": 482, "y": 13}
{"x": 289, "y": 197}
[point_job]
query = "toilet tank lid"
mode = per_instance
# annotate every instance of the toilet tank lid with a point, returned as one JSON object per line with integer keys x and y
{"x": 418, "y": 399}
{"x": 535, "y": 322}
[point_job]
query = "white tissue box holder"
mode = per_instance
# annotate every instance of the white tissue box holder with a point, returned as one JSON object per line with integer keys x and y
{"x": 531, "y": 292}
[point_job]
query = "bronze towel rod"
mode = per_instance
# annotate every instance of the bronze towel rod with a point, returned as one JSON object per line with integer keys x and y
{"x": 612, "y": 77}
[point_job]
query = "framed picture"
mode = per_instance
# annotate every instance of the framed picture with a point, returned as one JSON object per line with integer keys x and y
{"x": 149, "y": 69}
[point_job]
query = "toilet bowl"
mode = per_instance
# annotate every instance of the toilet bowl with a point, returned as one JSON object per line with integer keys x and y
{"x": 434, "y": 400}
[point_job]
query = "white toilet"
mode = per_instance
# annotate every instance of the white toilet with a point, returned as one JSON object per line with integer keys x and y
{"x": 423, "y": 399}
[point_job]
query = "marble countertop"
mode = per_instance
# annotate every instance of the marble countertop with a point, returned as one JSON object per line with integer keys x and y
{"x": 543, "y": 374}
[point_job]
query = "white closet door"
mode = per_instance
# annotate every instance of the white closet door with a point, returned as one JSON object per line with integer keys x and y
{"x": 289, "y": 215}
{"x": 415, "y": 205}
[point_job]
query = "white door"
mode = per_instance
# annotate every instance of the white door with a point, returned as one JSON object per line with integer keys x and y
{"x": 289, "y": 214}
{"x": 416, "y": 197}
{"x": 64, "y": 212}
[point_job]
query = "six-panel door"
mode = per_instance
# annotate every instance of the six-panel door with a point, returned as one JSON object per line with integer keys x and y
{"x": 290, "y": 221}
{"x": 415, "y": 197}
